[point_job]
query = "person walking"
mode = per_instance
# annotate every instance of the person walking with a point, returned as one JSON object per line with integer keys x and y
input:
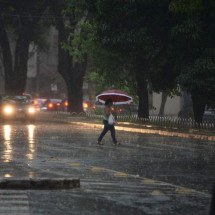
{"x": 109, "y": 122}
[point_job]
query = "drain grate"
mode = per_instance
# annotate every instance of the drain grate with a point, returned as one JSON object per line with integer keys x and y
{"x": 46, "y": 184}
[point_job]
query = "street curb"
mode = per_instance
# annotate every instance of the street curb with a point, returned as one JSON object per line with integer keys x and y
{"x": 39, "y": 184}
{"x": 152, "y": 131}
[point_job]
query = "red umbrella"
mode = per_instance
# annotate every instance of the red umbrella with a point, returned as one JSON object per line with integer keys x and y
{"x": 119, "y": 97}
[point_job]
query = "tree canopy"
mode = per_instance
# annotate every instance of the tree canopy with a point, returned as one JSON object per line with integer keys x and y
{"x": 163, "y": 43}
{"x": 138, "y": 34}
{"x": 129, "y": 43}
{"x": 194, "y": 34}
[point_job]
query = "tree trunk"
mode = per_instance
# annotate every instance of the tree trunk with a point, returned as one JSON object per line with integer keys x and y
{"x": 16, "y": 77}
{"x": 75, "y": 87}
{"x": 7, "y": 56}
{"x": 163, "y": 102}
{"x": 142, "y": 92}
{"x": 140, "y": 67}
{"x": 73, "y": 74}
{"x": 21, "y": 61}
{"x": 72, "y": 71}
{"x": 198, "y": 106}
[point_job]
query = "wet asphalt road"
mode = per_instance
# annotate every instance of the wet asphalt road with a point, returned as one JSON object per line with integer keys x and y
{"x": 146, "y": 174}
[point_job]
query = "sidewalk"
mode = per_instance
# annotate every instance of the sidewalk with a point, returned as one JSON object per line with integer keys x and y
{"x": 208, "y": 135}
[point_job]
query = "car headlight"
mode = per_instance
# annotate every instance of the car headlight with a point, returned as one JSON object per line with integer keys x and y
{"x": 8, "y": 110}
{"x": 31, "y": 110}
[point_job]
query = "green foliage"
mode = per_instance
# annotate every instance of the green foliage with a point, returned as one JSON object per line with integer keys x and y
{"x": 75, "y": 8}
{"x": 152, "y": 40}
{"x": 107, "y": 67}
{"x": 195, "y": 34}
{"x": 185, "y": 6}
{"x": 189, "y": 30}
{"x": 78, "y": 45}
{"x": 200, "y": 78}
{"x": 122, "y": 26}
{"x": 138, "y": 30}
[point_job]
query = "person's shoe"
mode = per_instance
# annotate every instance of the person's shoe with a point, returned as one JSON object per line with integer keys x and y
{"x": 116, "y": 144}
{"x": 99, "y": 143}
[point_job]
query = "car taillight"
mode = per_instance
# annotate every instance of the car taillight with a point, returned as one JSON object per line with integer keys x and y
{"x": 85, "y": 105}
{"x": 50, "y": 105}
{"x": 66, "y": 104}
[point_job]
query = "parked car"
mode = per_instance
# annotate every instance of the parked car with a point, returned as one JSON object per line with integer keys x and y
{"x": 39, "y": 103}
{"x": 209, "y": 114}
{"x": 64, "y": 105}
{"x": 17, "y": 107}
{"x": 53, "y": 104}
{"x": 86, "y": 105}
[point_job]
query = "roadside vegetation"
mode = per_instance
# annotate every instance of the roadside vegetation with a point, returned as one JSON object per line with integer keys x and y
{"x": 167, "y": 45}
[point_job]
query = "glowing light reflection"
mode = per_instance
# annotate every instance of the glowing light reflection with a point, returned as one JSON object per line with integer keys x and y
{"x": 31, "y": 174}
{"x": 7, "y": 157}
{"x": 7, "y": 175}
{"x": 31, "y": 141}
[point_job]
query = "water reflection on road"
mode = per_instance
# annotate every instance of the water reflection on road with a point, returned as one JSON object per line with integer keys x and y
{"x": 23, "y": 133}
{"x": 7, "y": 155}
{"x": 31, "y": 141}
{"x": 145, "y": 169}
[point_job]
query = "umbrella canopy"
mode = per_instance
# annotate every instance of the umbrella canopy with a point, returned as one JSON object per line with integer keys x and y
{"x": 119, "y": 97}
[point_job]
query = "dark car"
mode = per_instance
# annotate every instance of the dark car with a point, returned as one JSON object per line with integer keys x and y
{"x": 53, "y": 104}
{"x": 17, "y": 107}
{"x": 64, "y": 105}
{"x": 40, "y": 104}
{"x": 209, "y": 114}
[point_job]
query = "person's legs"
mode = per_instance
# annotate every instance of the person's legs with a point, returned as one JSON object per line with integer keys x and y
{"x": 104, "y": 131}
{"x": 113, "y": 134}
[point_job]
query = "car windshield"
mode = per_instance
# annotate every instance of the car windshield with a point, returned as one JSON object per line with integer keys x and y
{"x": 55, "y": 100}
{"x": 16, "y": 99}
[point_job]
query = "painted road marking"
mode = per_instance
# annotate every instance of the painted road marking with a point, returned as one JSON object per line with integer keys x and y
{"x": 120, "y": 174}
{"x": 178, "y": 189}
{"x": 149, "y": 181}
{"x": 156, "y": 193}
{"x": 183, "y": 190}
{"x": 97, "y": 169}
{"x": 75, "y": 164}
{"x": 14, "y": 202}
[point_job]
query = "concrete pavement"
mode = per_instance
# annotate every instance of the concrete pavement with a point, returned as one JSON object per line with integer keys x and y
{"x": 146, "y": 175}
